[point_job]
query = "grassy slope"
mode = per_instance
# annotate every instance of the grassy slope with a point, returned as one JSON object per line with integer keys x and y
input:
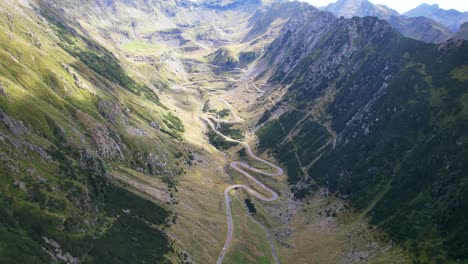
{"x": 53, "y": 185}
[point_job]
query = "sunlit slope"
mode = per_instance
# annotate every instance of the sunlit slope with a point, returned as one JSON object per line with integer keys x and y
{"x": 71, "y": 116}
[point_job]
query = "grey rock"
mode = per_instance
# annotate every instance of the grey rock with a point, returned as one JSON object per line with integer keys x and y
{"x": 58, "y": 253}
{"x": 136, "y": 131}
{"x": 155, "y": 125}
{"x": 20, "y": 185}
{"x": 16, "y": 127}
{"x": 112, "y": 111}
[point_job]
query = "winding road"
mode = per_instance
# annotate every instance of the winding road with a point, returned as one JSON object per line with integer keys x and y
{"x": 242, "y": 168}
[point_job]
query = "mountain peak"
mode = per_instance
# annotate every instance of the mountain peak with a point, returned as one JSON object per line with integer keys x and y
{"x": 428, "y": 5}
{"x": 350, "y": 8}
{"x": 420, "y": 28}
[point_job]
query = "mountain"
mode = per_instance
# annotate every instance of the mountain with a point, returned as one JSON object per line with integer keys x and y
{"x": 420, "y": 28}
{"x": 74, "y": 125}
{"x": 423, "y": 29}
{"x": 450, "y": 18}
{"x": 378, "y": 118}
{"x": 121, "y": 125}
{"x": 462, "y": 32}
{"x": 360, "y": 8}
{"x": 92, "y": 146}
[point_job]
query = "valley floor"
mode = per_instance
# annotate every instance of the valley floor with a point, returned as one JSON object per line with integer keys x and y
{"x": 322, "y": 230}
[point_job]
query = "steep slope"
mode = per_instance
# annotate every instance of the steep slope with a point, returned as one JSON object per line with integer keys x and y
{"x": 105, "y": 158}
{"x": 93, "y": 162}
{"x": 462, "y": 32}
{"x": 379, "y": 119}
{"x": 75, "y": 130}
{"x": 420, "y": 28}
{"x": 450, "y": 18}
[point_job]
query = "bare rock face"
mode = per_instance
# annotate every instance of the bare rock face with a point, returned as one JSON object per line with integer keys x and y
{"x": 151, "y": 164}
{"x": 16, "y": 127}
{"x": 17, "y": 143}
{"x": 452, "y": 44}
{"x": 57, "y": 252}
{"x": 112, "y": 111}
{"x": 330, "y": 42}
{"x": 109, "y": 144}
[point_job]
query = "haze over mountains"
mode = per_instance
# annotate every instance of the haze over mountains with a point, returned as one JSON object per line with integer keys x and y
{"x": 450, "y": 18}
{"x": 421, "y": 25}
{"x": 123, "y": 125}
{"x": 462, "y": 32}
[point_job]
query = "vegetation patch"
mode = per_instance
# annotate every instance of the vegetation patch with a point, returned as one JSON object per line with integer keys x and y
{"x": 461, "y": 73}
{"x": 139, "y": 45}
{"x": 174, "y": 123}
{"x": 250, "y": 206}
{"x": 97, "y": 58}
{"x": 219, "y": 142}
{"x": 226, "y": 129}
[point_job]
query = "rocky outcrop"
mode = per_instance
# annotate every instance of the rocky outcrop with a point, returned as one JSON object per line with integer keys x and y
{"x": 108, "y": 143}
{"x": 16, "y": 127}
{"x": 113, "y": 112}
{"x": 58, "y": 253}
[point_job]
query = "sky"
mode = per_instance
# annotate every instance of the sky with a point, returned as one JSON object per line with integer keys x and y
{"x": 405, "y": 5}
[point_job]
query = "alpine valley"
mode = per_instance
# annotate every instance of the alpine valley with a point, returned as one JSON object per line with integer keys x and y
{"x": 232, "y": 131}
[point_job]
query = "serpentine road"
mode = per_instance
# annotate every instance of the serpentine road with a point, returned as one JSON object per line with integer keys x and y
{"x": 242, "y": 168}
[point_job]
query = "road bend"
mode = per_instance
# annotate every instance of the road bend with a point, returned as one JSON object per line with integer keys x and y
{"x": 244, "y": 169}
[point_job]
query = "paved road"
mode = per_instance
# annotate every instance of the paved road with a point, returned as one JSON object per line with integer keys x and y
{"x": 242, "y": 168}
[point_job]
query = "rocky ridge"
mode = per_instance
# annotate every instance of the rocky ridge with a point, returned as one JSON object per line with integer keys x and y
{"x": 420, "y": 28}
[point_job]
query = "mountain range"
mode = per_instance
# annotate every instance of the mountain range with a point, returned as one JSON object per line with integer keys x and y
{"x": 450, "y": 18}
{"x": 418, "y": 27}
{"x": 123, "y": 125}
